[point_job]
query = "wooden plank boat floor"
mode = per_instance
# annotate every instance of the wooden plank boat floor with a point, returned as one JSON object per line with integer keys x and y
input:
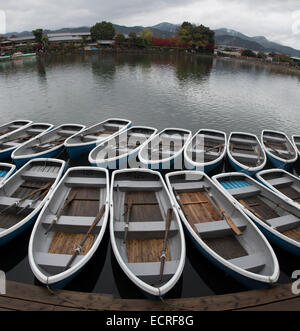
{"x": 198, "y": 212}
{"x": 260, "y": 207}
{"x": 66, "y": 243}
{"x": 291, "y": 193}
{"x": 9, "y": 219}
{"x": 139, "y": 251}
{"x": 227, "y": 247}
{"x": 86, "y": 202}
{"x": 293, "y": 234}
{"x": 146, "y": 208}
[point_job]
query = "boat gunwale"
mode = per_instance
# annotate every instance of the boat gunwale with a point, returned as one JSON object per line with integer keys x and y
{"x": 252, "y": 216}
{"x": 67, "y": 144}
{"x": 252, "y": 275}
{"x": 278, "y": 158}
{"x": 155, "y": 291}
{"x": 96, "y": 161}
{"x": 241, "y": 165}
{"x": 265, "y": 182}
{"x": 205, "y": 164}
{"x": 51, "y": 126}
{"x": 168, "y": 159}
{"x": 53, "y": 279}
{"x": 22, "y": 156}
{"x": 36, "y": 210}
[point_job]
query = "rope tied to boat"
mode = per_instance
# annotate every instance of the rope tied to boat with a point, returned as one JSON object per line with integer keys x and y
{"x": 75, "y": 305}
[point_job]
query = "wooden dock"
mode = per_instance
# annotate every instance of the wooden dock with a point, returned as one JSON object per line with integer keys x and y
{"x": 33, "y": 298}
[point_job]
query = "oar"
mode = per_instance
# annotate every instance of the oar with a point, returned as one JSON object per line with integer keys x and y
{"x": 164, "y": 251}
{"x": 129, "y": 207}
{"x": 80, "y": 246}
{"x": 258, "y": 155}
{"x": 15, "y": 204}
{"x": 275, "y": 151}
{"x": 228, "y": 220}
{"x": 213, "y": 148}
{"x": 251, "y": 209}
{"x": 67, "y": 202}
{"x": 13, "y": 139}
{"x": 279, "y": 205}
{"x": 40, "y": 197}
{"x": 51, "y": 142}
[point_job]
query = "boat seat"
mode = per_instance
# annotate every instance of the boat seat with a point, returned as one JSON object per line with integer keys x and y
{"x": 132, "y": 185}
{"x": 36, "y": 175}
{"x": 8, "y": 201}
{"x": 86, "y": 181}
{"x": 35, "y": 131}
{"x": 244, "y": 192}
{"x": 150, "y": 272}
{"x": 190, "y": 186}
{"x": 252, "y": 263}
{"x": 54, "y": 263}
{"x": 72, "y": 224}
{"x": 218, "y": 228}
{"x": 284, "y": 223}
{"x": 144, "y": 230}
{"x": 10, "y": 144}
{"x": 201, "y": 151}
{"x": 244, "y": 141}
{"x": 67, "y": 133}
{"x": 14, "y": 127}
{"x": 282, "y": 181}
{"x": 273, "y": 138}
{"x": 114, "y": 126}
{"x": 245, "y": 156}
{"x": 214, "y": 138}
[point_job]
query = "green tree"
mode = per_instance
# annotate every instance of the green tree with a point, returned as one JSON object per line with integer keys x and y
{"x": 102, "y": 31}
{"x": 38, "y": 34}
{"x": 120, "y": 39}
{"x": 248, "y": 53}
{"x": 45, "y": 42}
{"x": 146, "y": 35}
{"x": 198, "y": 37}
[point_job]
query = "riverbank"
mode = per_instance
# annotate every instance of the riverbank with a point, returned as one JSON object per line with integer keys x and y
{"x": 274, "y": 66}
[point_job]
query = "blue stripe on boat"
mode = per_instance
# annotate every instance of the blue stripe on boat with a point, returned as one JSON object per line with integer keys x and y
{"x": 230, "y": 184}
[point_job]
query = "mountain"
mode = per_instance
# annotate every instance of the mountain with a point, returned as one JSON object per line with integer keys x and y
{"x": 234, "y": 38}
{"x": 239, "y": 42}
{"x": 164, "y": 30}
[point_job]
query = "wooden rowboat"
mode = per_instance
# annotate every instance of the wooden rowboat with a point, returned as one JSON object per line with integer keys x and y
{"x": 15, "y": 139}
{"x": 206, "y": 150}
{"x": 146, "y": 233}
{"x": 6, "y": 170}
{"x": 23, "y": 195}
{"x": 283, "y": 183}
{"x": 13, "y": 126}
{"x": 164, "y": 151}
{"x": 221, "y": 231}
{"x": 279, "y": 149}
{"x": 49, "y": 144}
{"x": 71, "y": 226}
{"x": 83, "y": 142}
{"x": 121, "y": 151}
{"x": 245, "y": 153}
{"x": 278, "y": 219}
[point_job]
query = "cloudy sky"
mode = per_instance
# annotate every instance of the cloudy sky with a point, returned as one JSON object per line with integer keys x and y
{"x": 278, "y": 20}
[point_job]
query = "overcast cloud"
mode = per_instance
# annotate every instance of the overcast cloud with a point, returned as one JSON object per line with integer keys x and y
{"x": 277, "y": 20}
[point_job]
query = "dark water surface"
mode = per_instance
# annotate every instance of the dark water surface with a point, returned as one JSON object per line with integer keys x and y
{"x": 159, "y": 91}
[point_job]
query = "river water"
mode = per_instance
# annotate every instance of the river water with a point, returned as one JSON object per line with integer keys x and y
{"x": 152, "y": 90}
